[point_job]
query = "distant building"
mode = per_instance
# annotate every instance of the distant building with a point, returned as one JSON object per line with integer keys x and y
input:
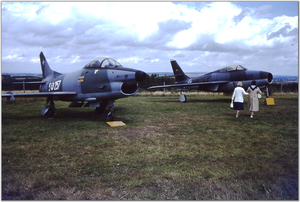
{"x": 8, "y": 80}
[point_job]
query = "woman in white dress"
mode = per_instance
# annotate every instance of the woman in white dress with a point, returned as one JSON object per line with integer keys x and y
{"x": 238, "y": 99}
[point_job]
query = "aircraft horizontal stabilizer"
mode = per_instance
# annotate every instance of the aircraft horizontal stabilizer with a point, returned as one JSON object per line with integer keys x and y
{"x": 188, "y": 84}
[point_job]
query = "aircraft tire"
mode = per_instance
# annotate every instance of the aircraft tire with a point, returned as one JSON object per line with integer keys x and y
{"x": 49, "y": 114}
{"x": 110, "y": 117}
{"x": 182, "y": 98}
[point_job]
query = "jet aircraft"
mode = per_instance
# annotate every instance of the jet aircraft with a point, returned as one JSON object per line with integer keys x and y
{"x": 98, "y": 84}
{"x": 222, "y": 80}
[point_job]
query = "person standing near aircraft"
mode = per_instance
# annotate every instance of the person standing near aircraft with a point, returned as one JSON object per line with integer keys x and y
{"x": 238, "y": 99}
{"x": 253, "y": 102}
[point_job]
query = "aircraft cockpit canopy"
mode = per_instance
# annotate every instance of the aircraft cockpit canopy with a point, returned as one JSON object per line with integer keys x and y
{"x": 232, "y": 68}
{"x": 102, "y": 62}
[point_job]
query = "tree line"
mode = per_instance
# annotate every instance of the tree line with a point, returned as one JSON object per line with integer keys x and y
{"x": 283, "y": 87}
{"x": 155, "y": 80}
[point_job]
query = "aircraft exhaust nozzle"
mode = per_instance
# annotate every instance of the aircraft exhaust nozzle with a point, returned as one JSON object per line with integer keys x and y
{"x": 140, "y": 75}
{"x": 266, "y": 75}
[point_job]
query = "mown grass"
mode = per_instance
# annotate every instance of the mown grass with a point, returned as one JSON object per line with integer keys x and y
{"x": 168, "y": 150}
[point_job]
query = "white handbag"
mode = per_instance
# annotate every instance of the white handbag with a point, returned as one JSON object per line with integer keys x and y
{"x": 231, "y": 104}
{"x": 259, "y": 95}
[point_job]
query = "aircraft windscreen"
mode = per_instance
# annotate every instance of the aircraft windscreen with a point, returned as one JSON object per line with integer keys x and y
{"x": 102, "y": 62}
{"x": 232, "y": 68}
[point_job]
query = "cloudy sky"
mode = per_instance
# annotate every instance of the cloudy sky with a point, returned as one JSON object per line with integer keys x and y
{"x": 201, "y": 36}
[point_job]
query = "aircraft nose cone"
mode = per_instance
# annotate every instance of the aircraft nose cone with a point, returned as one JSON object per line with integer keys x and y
{"x": 140, "y": 75}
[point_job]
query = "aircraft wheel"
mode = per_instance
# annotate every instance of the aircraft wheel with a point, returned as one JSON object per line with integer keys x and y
{"x": 110, "y": 117}
{"x": 48, "y": 111}
{"x": 182, "y": 98}
{"x": 49, "y": 114}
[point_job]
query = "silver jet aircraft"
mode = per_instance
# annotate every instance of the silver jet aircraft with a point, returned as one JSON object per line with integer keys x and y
{"x": 98, "y": 84}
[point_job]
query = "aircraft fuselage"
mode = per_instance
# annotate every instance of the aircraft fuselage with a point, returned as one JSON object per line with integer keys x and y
{"x": 246, "y": 76}
{"x": 95, "y": 82}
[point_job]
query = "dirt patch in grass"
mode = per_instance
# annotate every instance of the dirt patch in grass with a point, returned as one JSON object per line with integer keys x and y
{"x": 143, "y": 131}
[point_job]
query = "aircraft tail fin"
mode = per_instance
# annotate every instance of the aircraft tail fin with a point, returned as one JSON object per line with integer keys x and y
{"x": 47, "y": 71}
{"x": 178, "y": 73}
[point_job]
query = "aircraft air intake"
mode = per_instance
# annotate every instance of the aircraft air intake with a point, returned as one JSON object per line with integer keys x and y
{"x": 129, "y": 87}
{"x": 270, "y": 78}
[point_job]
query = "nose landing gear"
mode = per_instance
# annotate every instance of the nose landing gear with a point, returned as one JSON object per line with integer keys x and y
{"x": 110, "y": 116}
{"x": 103, "y": 105}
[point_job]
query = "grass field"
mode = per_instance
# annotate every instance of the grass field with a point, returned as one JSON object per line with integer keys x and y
{"x": 168, "y": 150}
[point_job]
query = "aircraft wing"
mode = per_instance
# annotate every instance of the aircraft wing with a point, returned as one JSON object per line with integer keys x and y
{"x": 41, "y": 94}
{"x": 169, "y": 76}
{"x": 30, "y": 82}
{"x": 188, "y": 84}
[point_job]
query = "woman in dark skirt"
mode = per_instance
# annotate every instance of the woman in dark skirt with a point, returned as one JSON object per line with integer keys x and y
{"x": 238, "y": 99}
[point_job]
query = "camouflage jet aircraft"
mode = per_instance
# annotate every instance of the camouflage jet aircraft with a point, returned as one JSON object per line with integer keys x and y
{"x": 222, "y": 80}
{"x": 98, "y": 84}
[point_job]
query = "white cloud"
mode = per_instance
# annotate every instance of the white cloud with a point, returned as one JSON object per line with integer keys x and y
{"x": 155, "y": 60}
{"x": 146, "y": 35}
{"x": 35, "y": 60}
{"x": 75, "y": 59}
{"x": 134, "y": 60}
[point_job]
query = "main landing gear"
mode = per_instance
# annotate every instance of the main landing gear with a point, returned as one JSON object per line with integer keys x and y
{"x": 182, "y": 97}
{"x": 48, "y": 110}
